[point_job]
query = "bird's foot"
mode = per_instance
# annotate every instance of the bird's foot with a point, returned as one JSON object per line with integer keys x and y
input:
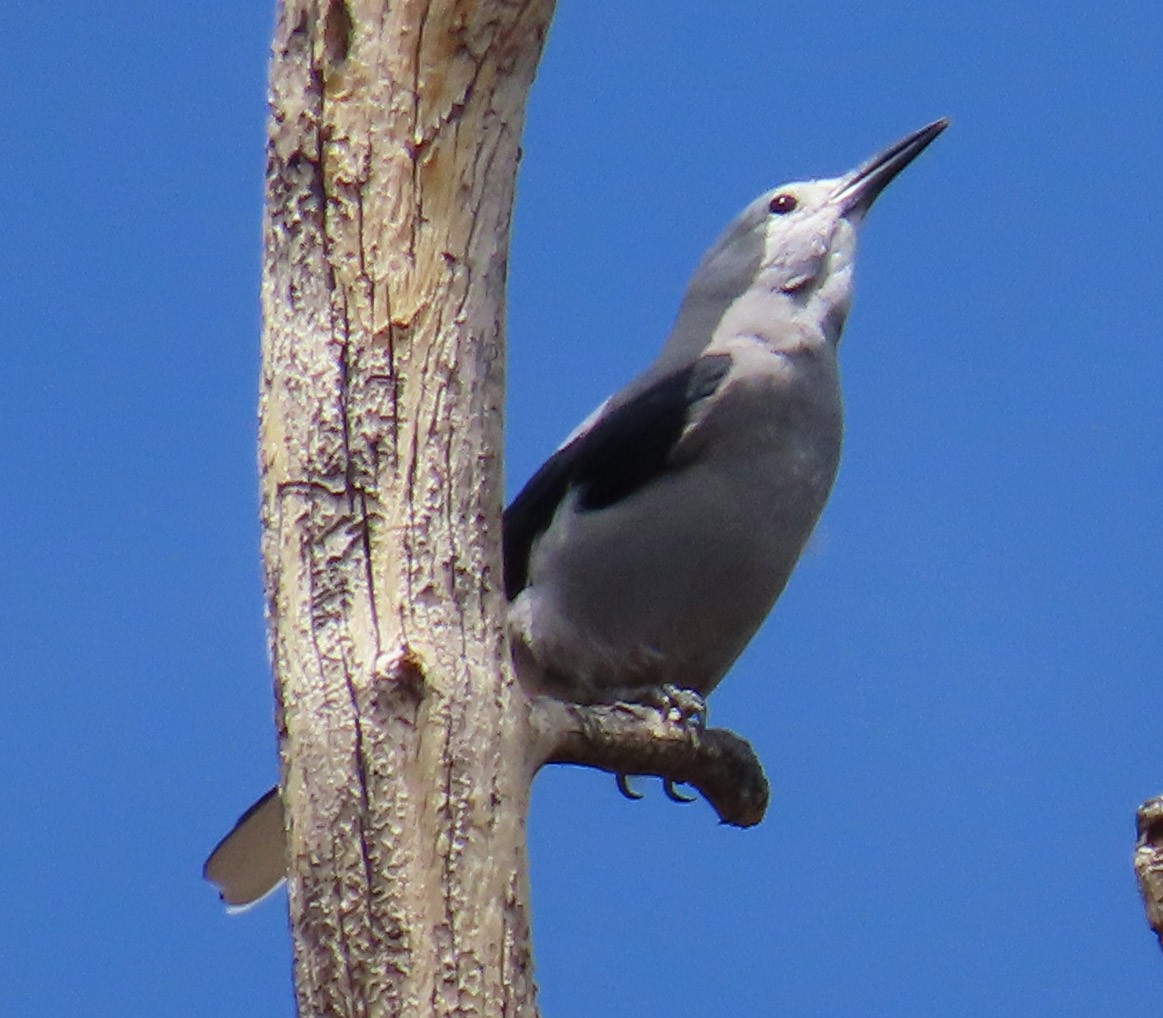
{"x": 679, "y": 706}
{"x": 675, "y": 703}
{"x": 682, "y": 706}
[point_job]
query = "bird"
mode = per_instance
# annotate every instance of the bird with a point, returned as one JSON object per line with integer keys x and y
{"x": 647, "y": 550}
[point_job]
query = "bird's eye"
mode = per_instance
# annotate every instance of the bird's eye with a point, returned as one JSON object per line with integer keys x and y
{"x": 782, "y": 204}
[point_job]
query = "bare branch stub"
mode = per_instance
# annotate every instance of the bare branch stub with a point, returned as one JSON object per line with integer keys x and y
{"x": 1149, "y": 861}
{"x": 632, "y": 739}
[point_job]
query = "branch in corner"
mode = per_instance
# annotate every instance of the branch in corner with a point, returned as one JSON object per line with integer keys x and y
{"x": 1149, "y": 862}
{"x": 631, "y": 739}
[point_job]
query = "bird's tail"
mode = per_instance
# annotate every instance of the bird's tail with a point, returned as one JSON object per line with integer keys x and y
{"x": 251, "y": 861}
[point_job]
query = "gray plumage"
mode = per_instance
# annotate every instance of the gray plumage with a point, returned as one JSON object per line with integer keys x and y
{"x": 651, "y": 546}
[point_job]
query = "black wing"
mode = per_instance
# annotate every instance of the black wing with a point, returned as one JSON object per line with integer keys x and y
{"x": 622, "y": 451}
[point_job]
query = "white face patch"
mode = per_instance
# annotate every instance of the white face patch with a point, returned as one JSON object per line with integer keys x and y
{"x": 798, "y": 234}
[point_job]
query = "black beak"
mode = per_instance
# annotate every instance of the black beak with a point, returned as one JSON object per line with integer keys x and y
{"x": 860, "y": 188}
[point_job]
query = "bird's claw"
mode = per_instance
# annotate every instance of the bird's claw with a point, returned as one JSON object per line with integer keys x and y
{"x": 668, "y": 786}
{"x": 623, "y": 783}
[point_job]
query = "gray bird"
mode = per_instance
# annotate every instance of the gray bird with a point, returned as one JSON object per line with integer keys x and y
{"x": 648, "y": 549}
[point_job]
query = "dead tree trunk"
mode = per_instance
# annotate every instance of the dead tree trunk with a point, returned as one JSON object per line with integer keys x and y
{"x": 392, "y": 154}
{"x": 407, "y": 749}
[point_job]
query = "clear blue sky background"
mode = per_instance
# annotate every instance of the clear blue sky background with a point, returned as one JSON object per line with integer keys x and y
{"x": 954, "y": 699}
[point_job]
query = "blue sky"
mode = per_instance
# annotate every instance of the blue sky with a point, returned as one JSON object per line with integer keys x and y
{"x": 953, "y": 698}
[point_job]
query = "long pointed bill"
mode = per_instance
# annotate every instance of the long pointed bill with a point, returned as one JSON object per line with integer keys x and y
{"x": 859, "y": 189}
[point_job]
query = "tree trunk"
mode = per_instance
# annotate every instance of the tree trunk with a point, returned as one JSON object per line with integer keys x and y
{"x": 393, "y": 149}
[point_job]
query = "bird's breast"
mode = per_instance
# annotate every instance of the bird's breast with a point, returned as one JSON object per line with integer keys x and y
{"x": 669, "y": 584}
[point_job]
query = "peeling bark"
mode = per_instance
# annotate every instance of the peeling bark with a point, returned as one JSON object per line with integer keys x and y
{"x": 393, "y": 147}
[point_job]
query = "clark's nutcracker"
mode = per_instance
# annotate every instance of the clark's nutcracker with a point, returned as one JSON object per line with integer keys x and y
{"x": 647, "y": 550}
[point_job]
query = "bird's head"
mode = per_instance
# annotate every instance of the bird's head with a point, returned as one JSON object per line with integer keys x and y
{"x": 797, "y": 243}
